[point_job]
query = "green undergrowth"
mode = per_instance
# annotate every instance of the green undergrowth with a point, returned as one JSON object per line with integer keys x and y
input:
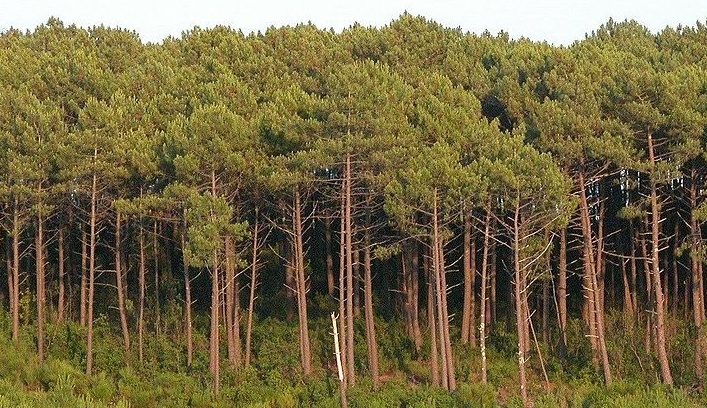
{"x": 274, "y": 378}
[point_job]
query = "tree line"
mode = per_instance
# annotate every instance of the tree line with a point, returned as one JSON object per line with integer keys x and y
{"x": 451, "y": 180}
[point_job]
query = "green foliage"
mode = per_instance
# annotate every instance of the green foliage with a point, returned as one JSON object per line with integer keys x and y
{"x": 195, "y": 133}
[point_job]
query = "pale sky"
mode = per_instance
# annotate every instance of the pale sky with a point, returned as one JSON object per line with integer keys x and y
{"x": 556, "y": 21}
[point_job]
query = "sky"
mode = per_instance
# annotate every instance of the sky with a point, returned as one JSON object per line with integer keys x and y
{"x": 560, "y": 22}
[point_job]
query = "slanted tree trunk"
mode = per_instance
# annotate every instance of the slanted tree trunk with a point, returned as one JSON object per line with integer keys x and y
{"x": 119, "y": 282}
{"x": 657, "y": 287}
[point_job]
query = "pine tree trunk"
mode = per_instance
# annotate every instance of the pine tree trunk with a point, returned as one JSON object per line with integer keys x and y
{"x": 415, "y": 299}
{"x": 518, "y": 290}
{"x": 696, "y": 273}
{"x": 492, "y": 286}
{"x": 342, "y": 290}
{"x": 238, "y": 346}
{"x": 230, "y": 307}
{"x": 596, "y": 311}
{"x": 91, "y": 272}
{"x": 445, "y": 319}
{"x": 371, "y": 342}
{"x": 141, "y": 296}
{"x": 562, "y": 292}
{"x": 187, "y": 301}
{"x": 290, "y": 279}
{"x": 214, "y": 358}
{"x": 84, "y": 276}
{"x": 650, "y": 329}
{"x": 329, "y": 257}
{"x": 306, "y": 354}
{"x": 484, "y": 300}
{"x": 351, "y": 374}
{"x": 40, "y": 275}
{"x": 432, "y": 325}
{"x": 119, "y": 282}
{"x": 634, "y": 275}
{"x": 10, "y": 280}
{"x": 61, "y": 301}
{"x": 155, "y": 254}
{"x": 253, "y": 286}
{"x": 469, "y": 262}
{"x": 546, "y": 304}
{"x": 357, "y": 283}
{"x": 448, "y": 379}
{"x": 405, "y": 289}
{"x": 214, "y": 355}
{"x": 600, "y": 263}
{"x": 655, "y": 252}
{"x": 628, "y": 304}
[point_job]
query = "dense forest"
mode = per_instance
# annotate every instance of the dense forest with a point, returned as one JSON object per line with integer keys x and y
{"x": 478, "y": 220}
